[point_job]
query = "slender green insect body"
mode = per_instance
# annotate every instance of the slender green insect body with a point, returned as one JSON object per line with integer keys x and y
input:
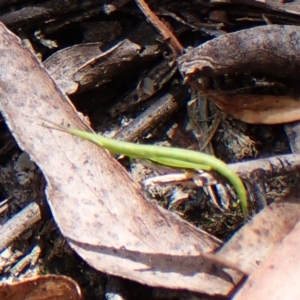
{"x": 173, "y": 157}
{"x": 180, "y": 164}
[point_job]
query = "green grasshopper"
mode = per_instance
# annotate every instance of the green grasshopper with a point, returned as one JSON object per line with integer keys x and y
{"x": 169, "y": 156}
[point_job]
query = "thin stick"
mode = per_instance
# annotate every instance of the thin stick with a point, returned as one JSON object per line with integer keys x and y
{"x": 167, "y": 34}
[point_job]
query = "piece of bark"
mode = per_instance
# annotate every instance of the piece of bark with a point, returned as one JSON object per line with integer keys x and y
{"x": 93, "y": 70}
{"x": 63, "y": 64}
{"x": 19, "y": 223}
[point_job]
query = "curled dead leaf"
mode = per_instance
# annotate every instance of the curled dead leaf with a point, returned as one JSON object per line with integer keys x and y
{"x": 259, "y": 109}
{"x": 270, "y": 50}
{"x": 50, "y": 287}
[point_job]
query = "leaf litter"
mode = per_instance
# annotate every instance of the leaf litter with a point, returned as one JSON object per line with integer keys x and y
{"x": 97, "y": 206}
{"x": 155, "y": 246}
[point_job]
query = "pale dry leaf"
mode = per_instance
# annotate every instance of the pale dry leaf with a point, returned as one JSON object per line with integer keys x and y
{"x": 47, "y": 287}
{"x": 251, "y": 245}
{"x": 278, "y": 277}
{"x": 260, "y": 109}
{"x": 97, "y": 206}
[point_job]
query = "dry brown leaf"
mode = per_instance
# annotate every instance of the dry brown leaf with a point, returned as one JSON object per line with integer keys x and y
{"x": 251, "y": 245}
{"x": 48, "y": 287}
{"x": 97, "y": 206}
{"x": 267, "y": 50}
{"x": 278, "y": 277}
{"x": 259, "y": 109}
